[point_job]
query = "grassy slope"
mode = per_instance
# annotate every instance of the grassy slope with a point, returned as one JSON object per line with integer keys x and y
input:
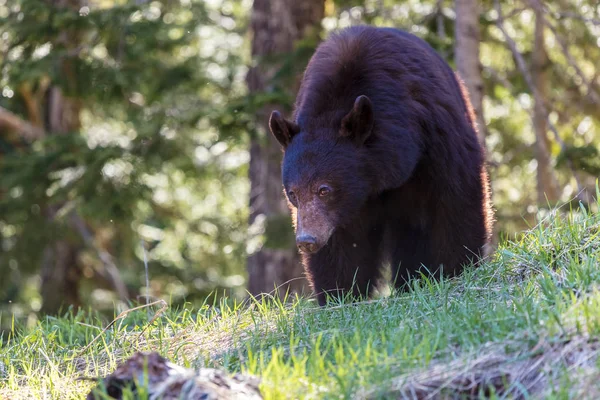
{"x": 526, "y": 321}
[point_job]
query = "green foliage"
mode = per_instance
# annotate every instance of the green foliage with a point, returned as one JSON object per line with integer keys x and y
{"x": 160, "y": 155}
{"x": 534, "y": 302}
{"x": 585, "y": 158}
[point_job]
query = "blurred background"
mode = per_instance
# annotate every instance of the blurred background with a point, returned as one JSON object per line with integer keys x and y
{"x": 134, "y": 131}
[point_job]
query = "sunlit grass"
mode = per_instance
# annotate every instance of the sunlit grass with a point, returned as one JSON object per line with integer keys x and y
{"x": 532, "y": 309}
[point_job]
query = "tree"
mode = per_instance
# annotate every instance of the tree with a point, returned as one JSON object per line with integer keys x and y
{"x": 60, "y": 268}
{"x": 276, "y": 26}
{"x": 95, "y": 152}
{"x": 547, "y": 186}
{"x": 466, "y": 56}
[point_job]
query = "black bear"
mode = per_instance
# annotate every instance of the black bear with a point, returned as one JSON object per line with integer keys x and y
{"x": 382, "y": 163}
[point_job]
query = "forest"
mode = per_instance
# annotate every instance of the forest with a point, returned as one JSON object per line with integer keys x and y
{"x": 139, "y": 184}
{"x": 136, "y": 163}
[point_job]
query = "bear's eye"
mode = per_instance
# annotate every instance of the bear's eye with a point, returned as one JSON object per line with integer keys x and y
{"x": 324, "y": 190}
{"x": 292, "y": 197}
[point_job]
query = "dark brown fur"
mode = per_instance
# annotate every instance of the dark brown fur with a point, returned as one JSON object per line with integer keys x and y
{"x": 403, "y": 168}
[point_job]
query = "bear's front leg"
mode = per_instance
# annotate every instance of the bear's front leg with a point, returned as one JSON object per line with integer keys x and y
{"x": 347, "y": 264}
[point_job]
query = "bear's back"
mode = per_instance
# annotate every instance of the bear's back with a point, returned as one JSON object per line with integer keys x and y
{"x": 399, "y": 72}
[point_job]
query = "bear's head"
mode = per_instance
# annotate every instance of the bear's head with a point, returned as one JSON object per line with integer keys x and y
{"x": 324, "y": 174}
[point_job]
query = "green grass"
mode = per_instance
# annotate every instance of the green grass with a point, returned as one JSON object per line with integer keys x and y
{"x": 526, "y": 322}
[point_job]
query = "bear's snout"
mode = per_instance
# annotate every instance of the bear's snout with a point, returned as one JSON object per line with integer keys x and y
{"x": 307, "y": 244}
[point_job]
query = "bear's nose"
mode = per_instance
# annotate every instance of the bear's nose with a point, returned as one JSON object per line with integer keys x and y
{"x": 306, "y": 243}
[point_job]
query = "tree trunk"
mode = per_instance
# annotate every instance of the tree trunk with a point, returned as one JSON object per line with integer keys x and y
{"x": 60, "y": 270}
{"x": 276, "y": 25}
{"x": 547, "y": 187}
{"x": 60, "y": 276}
{"x": 467, "y": 57}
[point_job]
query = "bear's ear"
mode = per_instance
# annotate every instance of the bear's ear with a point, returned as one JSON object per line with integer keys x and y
{"x": 282, "y": 129}
{"x": 358, "y": 123}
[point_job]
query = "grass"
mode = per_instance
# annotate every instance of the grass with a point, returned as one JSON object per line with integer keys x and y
{"x": 524, "y": 324}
